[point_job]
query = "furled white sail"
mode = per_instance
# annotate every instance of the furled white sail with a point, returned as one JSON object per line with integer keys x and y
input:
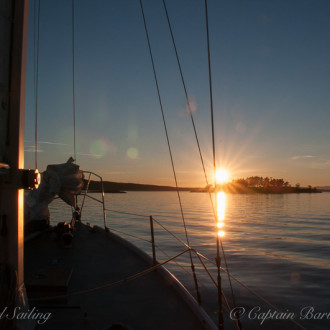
{"x": 64, "y": 180}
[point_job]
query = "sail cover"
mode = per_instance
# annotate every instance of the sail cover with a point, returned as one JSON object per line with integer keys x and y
{"x": 64, "y": 180}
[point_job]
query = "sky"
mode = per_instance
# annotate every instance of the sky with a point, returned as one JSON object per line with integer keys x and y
{"x": 271, "y": 89}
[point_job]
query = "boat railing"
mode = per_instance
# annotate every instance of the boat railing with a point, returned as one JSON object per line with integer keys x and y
{"x": 86, "y": 194}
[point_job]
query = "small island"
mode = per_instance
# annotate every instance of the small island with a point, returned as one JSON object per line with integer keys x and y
{"x": 258, "y": 184}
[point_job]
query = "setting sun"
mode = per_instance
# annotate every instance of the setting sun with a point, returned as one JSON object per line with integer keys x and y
{"x": 221, "y": 176}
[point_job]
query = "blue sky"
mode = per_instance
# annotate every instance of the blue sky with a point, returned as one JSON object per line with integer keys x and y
{"x": 271, "y": 79}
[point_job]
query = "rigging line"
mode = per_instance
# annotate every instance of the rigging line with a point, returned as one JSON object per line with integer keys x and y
{"x": 178, "y": 264}
{"x": 34, "y": 48}
{"x": 187, "y": 98}
{"x": 177, "y": 238}
{"x": 133, "y": 236}
{"x": 185, "y": 270}
{"x": 218, "y": 258}
{"x": 227, "y": 306}
{"x": 73, "y": 87}
{"x": 128, "y": 213}
{"x": 214, "y": 155}
{"x": 169, "y": 148}
{"x": 37, "y": 89}
{"x": 189, "y": 107}
{"x": 200, "y": 256}
{"x": 230, "y": 284}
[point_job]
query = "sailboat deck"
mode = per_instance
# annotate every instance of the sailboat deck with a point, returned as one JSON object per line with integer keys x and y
{"x": 97, "y": 258}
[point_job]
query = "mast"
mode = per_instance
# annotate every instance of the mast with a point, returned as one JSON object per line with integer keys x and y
{"x": 13, "y": 37}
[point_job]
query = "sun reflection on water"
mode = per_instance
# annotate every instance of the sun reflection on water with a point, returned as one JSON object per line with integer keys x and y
{"x": 221, "y": 211}
{"x": 221, "y": 233}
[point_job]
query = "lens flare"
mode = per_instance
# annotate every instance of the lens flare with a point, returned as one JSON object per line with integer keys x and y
{"x": 132, "y": 153}
{"x": 98, "y": 148}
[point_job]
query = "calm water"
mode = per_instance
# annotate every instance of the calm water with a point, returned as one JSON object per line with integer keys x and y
{"x": 277, "y": 245}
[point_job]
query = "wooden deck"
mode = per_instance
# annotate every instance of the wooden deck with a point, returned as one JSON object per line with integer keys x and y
{"x": 97, "y": 258}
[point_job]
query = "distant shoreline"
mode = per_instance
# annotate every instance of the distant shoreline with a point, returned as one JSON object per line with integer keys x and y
{"x": 121, "y": 188}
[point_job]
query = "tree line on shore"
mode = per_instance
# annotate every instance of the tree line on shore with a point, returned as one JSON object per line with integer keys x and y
{"x": 259, "y": 184}
{"x": 259, "y": 181}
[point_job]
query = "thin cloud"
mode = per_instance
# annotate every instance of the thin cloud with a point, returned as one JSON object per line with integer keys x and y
{"x": 302, "y": 157}
{"x": 32, "y": 149}
{"x": 317, "y": 162}
{"x": 55, "y": 143}
{"x": 49, "y": 142}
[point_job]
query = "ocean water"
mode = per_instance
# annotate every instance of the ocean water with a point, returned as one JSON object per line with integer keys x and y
{"x": 277, "y": 246}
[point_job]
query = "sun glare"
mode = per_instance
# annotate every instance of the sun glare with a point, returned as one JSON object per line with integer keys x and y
{"x": 221, "y": 176}
{"x": 221, "y": 211}
{"x": 221, "y": 233}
